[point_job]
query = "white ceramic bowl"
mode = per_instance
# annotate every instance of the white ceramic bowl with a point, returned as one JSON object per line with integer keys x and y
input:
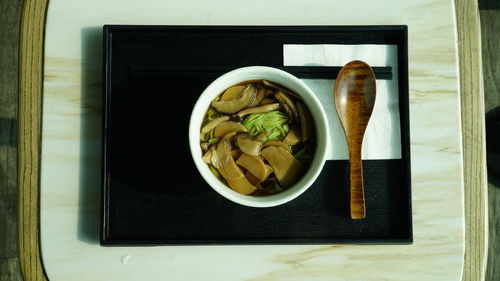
{"x": 279, "y": 77}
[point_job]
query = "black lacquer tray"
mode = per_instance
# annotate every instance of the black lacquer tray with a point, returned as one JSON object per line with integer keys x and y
{"x": 152, "y": 192}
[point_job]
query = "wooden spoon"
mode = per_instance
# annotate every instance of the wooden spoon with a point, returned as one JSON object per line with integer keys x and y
{"x": 354, "y": 96}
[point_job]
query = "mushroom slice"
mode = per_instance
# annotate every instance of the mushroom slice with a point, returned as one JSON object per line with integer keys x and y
{"x": 288, "y": 112}
{"x": 261, "y": 94}
{"x": 262, "y": 135}
{"x": 207, "y": 157}
{"x": 228, "y": 126}
{"x": 241, "y": 185}
{"x": 249, "y": 146}
{"x": 214, "y": 123}
{"x": 232, "y": 92}
{"x": 215, "y": 172}
{"x": 214, "y": 159}
{"x": 259, "y": 109}
{"x": 305, "y": 121}
{"x": 227, "y": 167}
{"x": 274, "y": 86}
{"x": 284, "y": 99}
{"x": 204, "y": 146}
{"x": 238, "y": 136}
{"x": 267, "y": 101}
{"x": 254, "y": 165}
{"x": 252, "y": 179}
{"x": 269, "y": 170}
{"x": 223, "y": 161}
{"x": 245, "y": 98}
{"x": 277, "y": 144}
{"x": 286, "y": 168}
{"x": 222, "y": 152}
{"x": 293, "y": 136}
{"x": 236, "y": 153}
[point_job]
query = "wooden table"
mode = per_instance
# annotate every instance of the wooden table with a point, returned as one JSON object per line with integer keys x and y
{"x": 31, "y": 77}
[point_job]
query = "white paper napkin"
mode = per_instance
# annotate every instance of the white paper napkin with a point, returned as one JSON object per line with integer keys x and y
{"x": 383, "y": 137}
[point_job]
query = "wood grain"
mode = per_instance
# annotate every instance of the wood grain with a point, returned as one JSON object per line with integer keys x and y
{"x": 354, "y": 96}
{"x": 473, "y": 137}
{"x": 30, "y": 103}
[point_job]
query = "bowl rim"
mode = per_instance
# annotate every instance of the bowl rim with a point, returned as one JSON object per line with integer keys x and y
{"x": 282, "y": 78}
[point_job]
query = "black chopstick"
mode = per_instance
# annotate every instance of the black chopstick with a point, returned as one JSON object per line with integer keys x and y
{"x": 212, "y": 72}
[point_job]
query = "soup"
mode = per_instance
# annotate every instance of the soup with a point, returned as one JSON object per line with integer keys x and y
{"x": 258, "y": 138}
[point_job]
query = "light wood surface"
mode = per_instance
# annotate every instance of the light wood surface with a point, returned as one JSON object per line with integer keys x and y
{"x": 473, "y": 137}
{"x": 29, "y": 137}
{"x": 30, "y": 105}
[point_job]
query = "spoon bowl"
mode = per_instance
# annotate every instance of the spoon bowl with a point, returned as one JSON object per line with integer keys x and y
{"x": 354, "y": 96}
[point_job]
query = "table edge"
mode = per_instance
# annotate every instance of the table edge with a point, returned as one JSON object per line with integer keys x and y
{"x": 31, "y": 41}
{"x": 473, "y": 139}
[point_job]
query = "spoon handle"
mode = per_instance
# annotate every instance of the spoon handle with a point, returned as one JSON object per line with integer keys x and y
{"x": 358, "y": 210}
